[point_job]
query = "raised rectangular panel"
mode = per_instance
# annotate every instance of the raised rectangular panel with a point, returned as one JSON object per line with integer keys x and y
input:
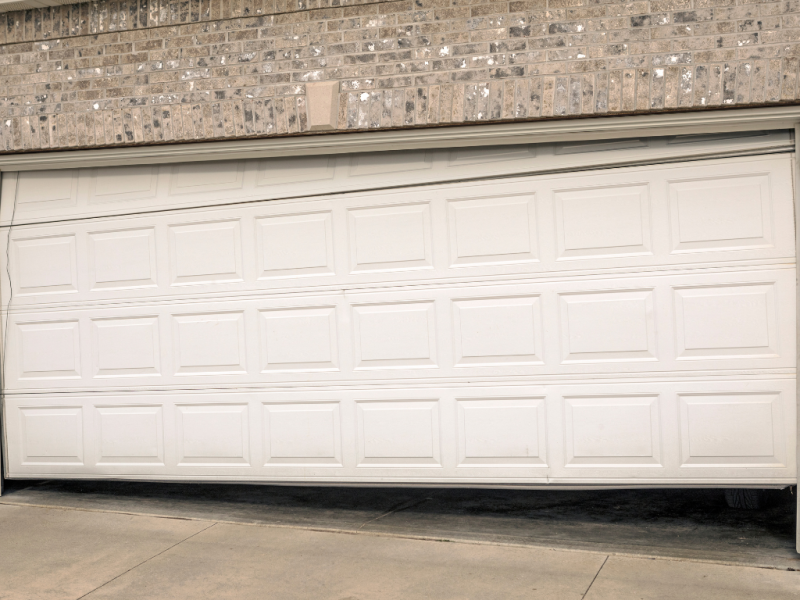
{"x": 295, "y": 245}
{"x": 730, "y": 213}
{"x": 49, "y": 350}
{"x": 202, "y": 177}
{"x": 462, "y": 157}
{"x": 499, "y": 230}
{"x": 130, "y": 435}
{"x": 398, "y": 433}
{"x": 299, "y": 339}
{"x": 279, "y": 171}
{"x": 603, "y": 222}
{"x": 385, "y": 163}
{"x": 491, "y": 331}
{"x": 497, "y": 432}
{"x": 726, "y": 321}
{"x": 302, "y": 434}
{"x": 46, "y": 265}
{"x": 390, "y": 238}
{"x": 603, "y": 146}
{"x": 122, "y": 259}
{"x": 211, "y": 343}
{"x": 122, "y": 184}
{"x": 732, "y": 429}
{"x": 608, "y": 326}
{"x": 612, "y": 431}
{"x": 125, "y": 347}
{"x": 51, "y": 435}
{"x": 213, "y": 435}
{"x": 395, "y": 335}
{"x": 206, "y": 252}
{"x": 38, "y": 190}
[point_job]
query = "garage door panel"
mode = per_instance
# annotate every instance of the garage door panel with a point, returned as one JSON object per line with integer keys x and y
{"x": 124, "y": 347}
{"x": 722, "y": 213}
{"x": 534, "y": 227}
{"x": 129, "y": 435}
{"x": 302, "y": 434}
{"x": 613, "y": 431}
{"x": 205, "y": 252}
{"x": 734, "y": 429}
{"x": 655, "y": 323}
{"x": 604, "y": 222}
{"x": 122, "y": 184}
{"x": 496, "y": 229}
{"x": 667, "y": 431}
{"x": 498, "y": 331}
{"x": 501, "y": 431}
{"x": 732, "y": 320}
{"x": 608, "y": 326}
{"x": 45, "y": 265}
{"x": 122, "y": 259}
{"x": 295, "y": 245}
{"x": 390, "y": 238}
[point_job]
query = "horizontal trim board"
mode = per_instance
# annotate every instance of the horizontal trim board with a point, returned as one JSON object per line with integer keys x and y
{"x": 532, "y": 132}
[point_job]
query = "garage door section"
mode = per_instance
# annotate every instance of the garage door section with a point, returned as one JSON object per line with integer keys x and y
{"x": 624, "y": 326}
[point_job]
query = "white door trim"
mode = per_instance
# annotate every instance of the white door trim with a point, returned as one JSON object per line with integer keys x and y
{"x": 797, "y": 246}
{"x": 531, "y": 132}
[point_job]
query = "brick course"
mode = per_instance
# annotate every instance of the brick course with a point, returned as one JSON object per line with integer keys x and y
{"x": 122, "y": 73}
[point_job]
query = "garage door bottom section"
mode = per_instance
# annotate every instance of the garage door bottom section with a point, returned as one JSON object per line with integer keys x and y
{"x": 686, "y": 433}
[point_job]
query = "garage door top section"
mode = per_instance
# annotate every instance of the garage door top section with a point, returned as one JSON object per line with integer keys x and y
{"x": 45, "y": 196}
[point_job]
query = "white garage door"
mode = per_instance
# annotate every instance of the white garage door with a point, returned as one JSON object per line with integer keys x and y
{"x": 612, "y": 326}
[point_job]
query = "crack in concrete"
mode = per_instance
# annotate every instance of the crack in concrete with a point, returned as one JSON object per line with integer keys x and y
{"x": 399, "y": 507}
{"x": 594, "y": 578}
{"x": 145, "y": 561}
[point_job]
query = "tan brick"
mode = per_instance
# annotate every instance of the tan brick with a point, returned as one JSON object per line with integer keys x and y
{"x": 421, "y": 61}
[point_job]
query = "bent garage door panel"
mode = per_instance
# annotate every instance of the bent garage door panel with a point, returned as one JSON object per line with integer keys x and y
{"x": 624, "y": 326}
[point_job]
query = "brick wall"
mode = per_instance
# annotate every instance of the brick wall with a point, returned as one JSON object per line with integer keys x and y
{"x": 152, "y": 71}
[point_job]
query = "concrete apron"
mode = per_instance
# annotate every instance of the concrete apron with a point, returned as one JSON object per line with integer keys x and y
{"x": 679, "y": 524}
{"x": 76, "y": 554}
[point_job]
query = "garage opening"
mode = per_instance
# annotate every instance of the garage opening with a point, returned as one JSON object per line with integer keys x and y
{"x": 602, "y": 314}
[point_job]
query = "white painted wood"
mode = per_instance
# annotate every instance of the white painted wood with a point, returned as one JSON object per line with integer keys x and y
{"x": 796, "y": 174}
{"x": 634, "y": 326}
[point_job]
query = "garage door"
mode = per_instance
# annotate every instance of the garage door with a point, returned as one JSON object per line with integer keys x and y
{"x": 408, "y": 317}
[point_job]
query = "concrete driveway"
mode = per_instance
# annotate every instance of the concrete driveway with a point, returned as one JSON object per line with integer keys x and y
{"x": 131, "y": 541}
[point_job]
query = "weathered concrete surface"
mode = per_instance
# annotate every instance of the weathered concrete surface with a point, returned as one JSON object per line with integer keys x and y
{"x": 53, "y": 554}
{"x": 693, "y": 524}
{"x": 69, "y": 554}
{"x": 244, "y": 562}
{"x": 624, "y": 578}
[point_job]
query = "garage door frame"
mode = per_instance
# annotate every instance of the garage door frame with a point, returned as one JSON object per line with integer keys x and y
{"x": 565, "y": 129}
{"x": 721, "y": 121}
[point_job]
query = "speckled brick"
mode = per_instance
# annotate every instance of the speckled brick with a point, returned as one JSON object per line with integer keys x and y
{"x": 153, "y": 71}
